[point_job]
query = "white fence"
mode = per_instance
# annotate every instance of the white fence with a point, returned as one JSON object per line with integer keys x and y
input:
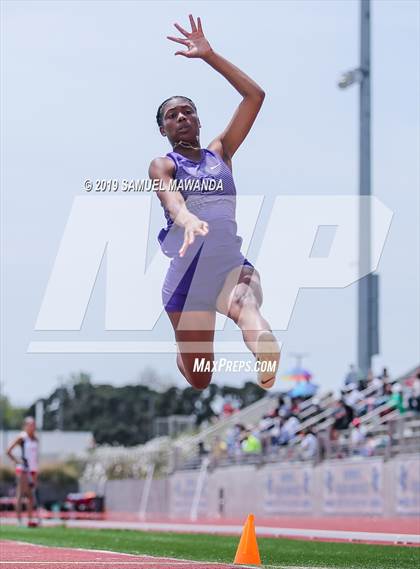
{"x": 369, "y": 486}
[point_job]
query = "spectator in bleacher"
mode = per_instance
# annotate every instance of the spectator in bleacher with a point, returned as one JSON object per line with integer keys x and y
{"x": 393, "y": 396}
{"x": 234, "y": 439}
{"x": 377, "y": 384}
{"x": 251, "y": 444}
{"x": 268, "y": 431}
{"x": 385, "y": 376}
{"x": 352, "y": 375}
{"x": 281, "y": 402}
{"x": 414, "y": 396}
{"x": 362, "y": 382}
{"x": 352, "y": 396}
{"x": 275, "y": 431}
{"x": 295, "y": 405}
{"x": 357, "y": 435}
{"x": 284, "y": 407}
{"x": 289, "y": 429}
{"x": 385, "y": 396}
{"x": 397, "y": 398}
{"x": 369, "y": 446}
{"x": 343, "y": 415}
{"x": 309, "y": 445}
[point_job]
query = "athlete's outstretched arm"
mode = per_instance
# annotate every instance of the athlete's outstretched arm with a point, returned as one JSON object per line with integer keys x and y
{"x": 161, "y": 169}
{"x": 253, "y": 96}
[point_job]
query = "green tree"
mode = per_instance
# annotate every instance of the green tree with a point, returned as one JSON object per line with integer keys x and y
{"x": 125, "y": 415}
{"x": 11, "y": 417}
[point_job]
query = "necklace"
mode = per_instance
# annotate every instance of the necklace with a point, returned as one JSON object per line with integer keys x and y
{"x": 187, "y": 145}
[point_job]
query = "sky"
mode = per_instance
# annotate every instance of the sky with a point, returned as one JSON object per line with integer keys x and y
{"x": 81, "y": 82}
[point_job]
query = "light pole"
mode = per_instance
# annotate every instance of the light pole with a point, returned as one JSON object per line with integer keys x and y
{"x": 367, "y": 328}
{"x": 299, "y": 358}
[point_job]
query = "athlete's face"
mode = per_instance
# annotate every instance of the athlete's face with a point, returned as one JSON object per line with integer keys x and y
{"x": 180, "y": 122}
{"x": 30, "y": 427}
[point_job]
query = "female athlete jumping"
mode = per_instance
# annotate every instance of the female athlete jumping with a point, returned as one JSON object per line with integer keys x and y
{"x": 208, "y": 272}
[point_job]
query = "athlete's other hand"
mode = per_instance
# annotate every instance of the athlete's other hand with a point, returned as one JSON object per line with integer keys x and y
{"x": 193, "y": 227}
{"x": 195, "y": 41}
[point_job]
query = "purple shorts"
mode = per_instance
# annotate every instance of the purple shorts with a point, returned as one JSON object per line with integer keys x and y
{"x": 195, "y": 283}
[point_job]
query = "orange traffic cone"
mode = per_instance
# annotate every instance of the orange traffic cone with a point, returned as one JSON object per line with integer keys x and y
{"x": 247, "y": 552}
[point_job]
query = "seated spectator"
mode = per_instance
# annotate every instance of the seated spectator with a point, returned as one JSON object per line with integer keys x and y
{"x": 343, "y": 415}
{"x": 377, "y": 384}
{"x": 414, "y": 396}
{"x": 385, "y": 376}
{"x": 352, "y": 396}
{"x": 275, "y": 431}
{"x": 284, "y": 408}
{"x": 396, "y": 398}
{"x": 295, "y": 407}
{"x": 357, "y": 435}
{"x": 368, "y": 446}
{"x": 228, "y": 409}
{"x": 234, "y": 439}
{"x": 289, "y": 429}
{"x": 251, "y": 444}
{"x": 385, "y": 397}
{"x": 281, "y": 401}
{"x": 352, "y": 375}
{"x": 363, "y": 382}
{"x": 309, "y": 445}
{"x": 265, "y": 427}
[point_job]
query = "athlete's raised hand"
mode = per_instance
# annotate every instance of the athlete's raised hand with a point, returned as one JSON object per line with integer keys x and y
{"x": 195, "y": 41}
{"x": 194, "y": 226}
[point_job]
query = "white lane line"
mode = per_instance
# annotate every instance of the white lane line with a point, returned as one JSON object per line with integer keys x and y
{"x": 261, "y": 530}
{"x": 149, "y": 558}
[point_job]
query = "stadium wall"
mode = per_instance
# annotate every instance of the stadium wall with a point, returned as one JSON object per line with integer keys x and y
{"x": 370, "y": 487}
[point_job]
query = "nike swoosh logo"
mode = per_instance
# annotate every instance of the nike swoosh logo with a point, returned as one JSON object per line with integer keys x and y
{"x": 266, "y": 381}
{"x": 213, "y": 167}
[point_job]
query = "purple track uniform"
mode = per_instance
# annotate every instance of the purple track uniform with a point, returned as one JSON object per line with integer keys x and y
{"x": 193, "y": 282}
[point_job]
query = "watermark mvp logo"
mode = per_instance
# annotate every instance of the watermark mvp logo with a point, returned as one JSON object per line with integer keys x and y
{"x": 117, "y": 227}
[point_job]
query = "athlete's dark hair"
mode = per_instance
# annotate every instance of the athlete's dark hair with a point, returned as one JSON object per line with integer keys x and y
{"x": 159, "y": 114}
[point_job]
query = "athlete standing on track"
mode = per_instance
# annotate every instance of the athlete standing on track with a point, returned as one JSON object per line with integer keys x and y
{"x": 208, "y": 272}
{"x": 26, "y": 468}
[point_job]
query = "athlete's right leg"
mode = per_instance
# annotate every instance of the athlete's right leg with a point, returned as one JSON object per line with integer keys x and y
{"x": 194, "y": 333}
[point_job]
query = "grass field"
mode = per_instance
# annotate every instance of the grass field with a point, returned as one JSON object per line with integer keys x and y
{"x": 274, "y": 551}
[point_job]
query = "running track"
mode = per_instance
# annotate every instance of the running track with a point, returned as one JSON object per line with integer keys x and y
{"x": 402, "y": 531}
{"x": 18, "y": 555}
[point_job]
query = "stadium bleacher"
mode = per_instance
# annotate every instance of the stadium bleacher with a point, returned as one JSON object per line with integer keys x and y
{"x": 379, "y": 420}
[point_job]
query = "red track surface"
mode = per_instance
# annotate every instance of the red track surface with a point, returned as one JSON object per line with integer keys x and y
{"x": 17, "y": 555}
{"x": 343, "y": 523}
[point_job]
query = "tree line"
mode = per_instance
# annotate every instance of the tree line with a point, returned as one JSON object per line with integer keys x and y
{"x": 124, "y": 415}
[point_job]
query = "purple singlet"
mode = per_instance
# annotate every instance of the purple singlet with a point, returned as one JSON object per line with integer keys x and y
{"x": 193, "y": 282}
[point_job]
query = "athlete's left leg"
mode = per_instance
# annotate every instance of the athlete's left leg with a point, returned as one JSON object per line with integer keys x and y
{"x": 30, "y": 495}
{"x": 194, "y": 334}
{"x": 33, "y": 499}
{"x": 20, "y": 493}
{"x": 240, "y": 299}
